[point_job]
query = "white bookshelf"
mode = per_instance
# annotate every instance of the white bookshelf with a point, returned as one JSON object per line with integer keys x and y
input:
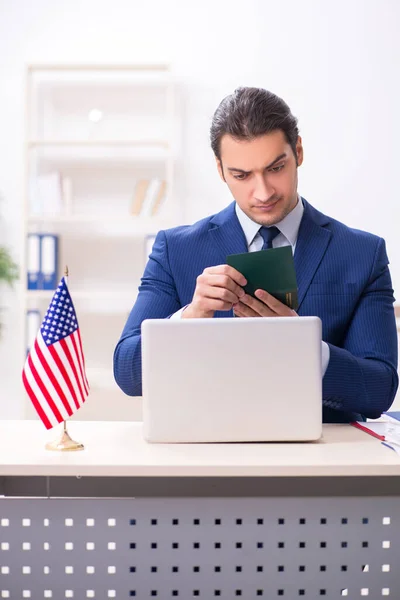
{"x": 99, "y": 131}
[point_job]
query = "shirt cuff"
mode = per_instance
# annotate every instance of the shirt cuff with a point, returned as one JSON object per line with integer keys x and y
{"x": 178, "y": 314}
{"x": 325, "y": 353}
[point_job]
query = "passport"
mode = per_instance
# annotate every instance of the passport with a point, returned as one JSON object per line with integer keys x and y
{"x": 270, "y": 270}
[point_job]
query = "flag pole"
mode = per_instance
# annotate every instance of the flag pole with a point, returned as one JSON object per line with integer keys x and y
{"x": 65, "y": 443}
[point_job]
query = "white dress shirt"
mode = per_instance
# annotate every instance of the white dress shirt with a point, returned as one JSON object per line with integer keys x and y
{"x": 289, "y": 229}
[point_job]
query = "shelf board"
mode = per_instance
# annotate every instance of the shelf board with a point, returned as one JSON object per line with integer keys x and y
{"x": 96, "y": 143}
{"x": 104, "y": 225}
{"x": 97, "y": 67}
{"x": 107, "y": 152}
{"x": 96, "y": 301}
{"x": 143, "y": 223}
{"x": 141, "y": 77}
{"x": 95, "y": 295}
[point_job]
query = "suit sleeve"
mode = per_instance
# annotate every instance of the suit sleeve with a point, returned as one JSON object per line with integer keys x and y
{"x": 157, "y": 299}
{"x": 362, "y": 375}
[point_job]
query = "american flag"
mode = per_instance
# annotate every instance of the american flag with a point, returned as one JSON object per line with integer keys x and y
{"x": 54, "y": 372}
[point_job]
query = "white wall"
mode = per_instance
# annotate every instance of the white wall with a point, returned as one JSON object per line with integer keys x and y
{"x": 336, "y": 64}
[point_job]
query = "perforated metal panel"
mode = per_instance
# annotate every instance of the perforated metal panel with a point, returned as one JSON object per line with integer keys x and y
{"x": 200, "y": 547}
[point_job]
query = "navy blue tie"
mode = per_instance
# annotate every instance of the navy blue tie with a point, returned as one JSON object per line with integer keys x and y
{"x": 268, "y": 234}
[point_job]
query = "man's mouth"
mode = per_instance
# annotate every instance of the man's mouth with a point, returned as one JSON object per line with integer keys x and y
{"x": 266, "y": 207}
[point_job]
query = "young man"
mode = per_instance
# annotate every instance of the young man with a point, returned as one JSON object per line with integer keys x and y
{"x": 342, "y": 273}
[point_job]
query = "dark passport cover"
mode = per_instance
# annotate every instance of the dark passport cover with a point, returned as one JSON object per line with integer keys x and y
{"x": 270, "y": 270}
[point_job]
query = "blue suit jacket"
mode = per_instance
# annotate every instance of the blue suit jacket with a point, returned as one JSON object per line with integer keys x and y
{"x": 342, "y": 276}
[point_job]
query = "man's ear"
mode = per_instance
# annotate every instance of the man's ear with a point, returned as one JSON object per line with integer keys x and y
{"x": 299, "y": 151}
{"x": 220, "y": 168}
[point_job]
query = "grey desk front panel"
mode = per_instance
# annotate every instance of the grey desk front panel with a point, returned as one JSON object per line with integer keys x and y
{"x": 188, "y": 538}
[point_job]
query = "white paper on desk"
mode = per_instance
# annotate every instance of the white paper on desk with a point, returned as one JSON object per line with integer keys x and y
{"x": 379, "y": 428}
{"x": 389, "y": 428}
{"x": 393, "y": 445}
{"x": 392, "y": 436}
{"x": 392, "y": 433}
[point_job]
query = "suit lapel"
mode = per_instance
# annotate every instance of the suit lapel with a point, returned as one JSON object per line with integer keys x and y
{"x": 312, "y": 241}
{"x": 226, "y": 232}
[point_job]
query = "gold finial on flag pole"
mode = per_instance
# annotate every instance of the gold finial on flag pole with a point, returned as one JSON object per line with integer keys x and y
{"x": 65, "y": 443}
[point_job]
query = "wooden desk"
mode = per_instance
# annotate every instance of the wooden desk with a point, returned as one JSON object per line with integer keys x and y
{"x": 125, "y": 518}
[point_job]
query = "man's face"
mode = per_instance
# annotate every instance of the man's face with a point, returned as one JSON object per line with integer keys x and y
{"x": 261, "y": 175}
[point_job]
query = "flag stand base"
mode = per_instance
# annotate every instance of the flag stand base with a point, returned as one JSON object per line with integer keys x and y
{"x": 64, "y": 443}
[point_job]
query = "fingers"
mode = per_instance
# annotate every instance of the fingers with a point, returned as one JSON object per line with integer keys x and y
{"x": 220, "y": 282}
{"x": 242, "y": 310}
{"x": 280, "y": 309}
{"x": 217, "y": 288}
{"x": 222, "y": 293}
{"x": 229, "y": 272}
{"x": 265, "y": 306}
{"x": 255, "y": 307}
{"x": 223, "y": 281}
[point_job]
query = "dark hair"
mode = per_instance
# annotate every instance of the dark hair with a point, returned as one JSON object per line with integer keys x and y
{"x": 250, "y": 112}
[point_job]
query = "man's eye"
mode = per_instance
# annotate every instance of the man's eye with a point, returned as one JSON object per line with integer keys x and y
{"x": 277, "y": 169}
{"x": 241, "y": 176}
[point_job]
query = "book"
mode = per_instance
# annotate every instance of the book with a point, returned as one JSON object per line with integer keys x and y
{"x": 150, "y": 198}
{"x": 139, "y": 196}
{"x": 269, "y": 270}
{"x": 160, "y": 196}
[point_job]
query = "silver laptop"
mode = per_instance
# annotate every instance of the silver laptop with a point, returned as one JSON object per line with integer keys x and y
{"x": 232, "y": 380}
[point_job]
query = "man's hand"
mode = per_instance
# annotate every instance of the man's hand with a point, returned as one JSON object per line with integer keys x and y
{"x": 265, "y": 306}
{"x": 217, "y": 288}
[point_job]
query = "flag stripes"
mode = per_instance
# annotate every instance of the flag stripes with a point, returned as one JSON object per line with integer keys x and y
{"x": 54, "y": 372}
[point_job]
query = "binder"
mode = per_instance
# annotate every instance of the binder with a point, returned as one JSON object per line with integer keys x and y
{"x": 49, "y": 261}
{"x": 33, "y": 262}
{"x": 33, "y": 323}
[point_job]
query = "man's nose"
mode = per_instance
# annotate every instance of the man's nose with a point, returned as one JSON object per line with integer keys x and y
{"x": 263, "y": 190}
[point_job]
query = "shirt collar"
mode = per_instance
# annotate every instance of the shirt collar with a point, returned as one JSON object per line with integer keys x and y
{"x": 289, "y": 226}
